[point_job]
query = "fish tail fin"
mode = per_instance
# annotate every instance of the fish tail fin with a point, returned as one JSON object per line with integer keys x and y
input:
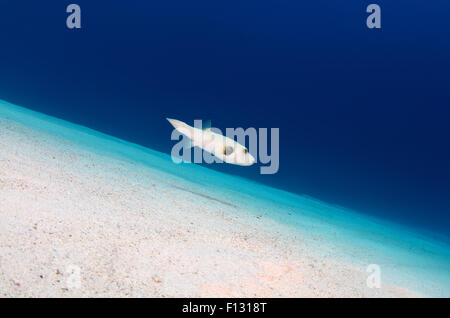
{"x": 183, "y": 128}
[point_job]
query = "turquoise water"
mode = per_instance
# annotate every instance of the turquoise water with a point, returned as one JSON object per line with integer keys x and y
{"x": 407, "y": 258}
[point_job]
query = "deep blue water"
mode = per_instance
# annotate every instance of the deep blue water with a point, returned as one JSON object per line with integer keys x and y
{"x": 363, "y": 114}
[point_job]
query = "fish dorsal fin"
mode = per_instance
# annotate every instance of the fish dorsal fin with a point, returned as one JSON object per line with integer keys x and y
{"x": 206, "y": 125}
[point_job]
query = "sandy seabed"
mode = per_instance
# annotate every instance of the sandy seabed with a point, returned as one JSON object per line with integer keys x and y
{"x": 74, "y": 222}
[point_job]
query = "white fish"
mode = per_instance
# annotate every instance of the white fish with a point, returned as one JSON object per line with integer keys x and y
{"x": 224, "y": 148}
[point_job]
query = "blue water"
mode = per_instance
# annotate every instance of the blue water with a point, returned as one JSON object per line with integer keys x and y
{"x": 407, "y": 258}
{"x": 363, "y": 114}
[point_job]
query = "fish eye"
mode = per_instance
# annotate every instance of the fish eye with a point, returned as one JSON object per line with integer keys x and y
{"x": 245, "y": 150}
{"x": 228, "y": 150}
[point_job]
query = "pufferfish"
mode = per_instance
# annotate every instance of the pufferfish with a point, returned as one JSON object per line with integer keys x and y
{"x": 224, "y": 148}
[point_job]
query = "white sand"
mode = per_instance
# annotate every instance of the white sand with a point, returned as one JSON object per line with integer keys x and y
{"x": 130, "y": 232}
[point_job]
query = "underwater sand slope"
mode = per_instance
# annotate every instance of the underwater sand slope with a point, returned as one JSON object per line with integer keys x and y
{"x": 85, "y": 214}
